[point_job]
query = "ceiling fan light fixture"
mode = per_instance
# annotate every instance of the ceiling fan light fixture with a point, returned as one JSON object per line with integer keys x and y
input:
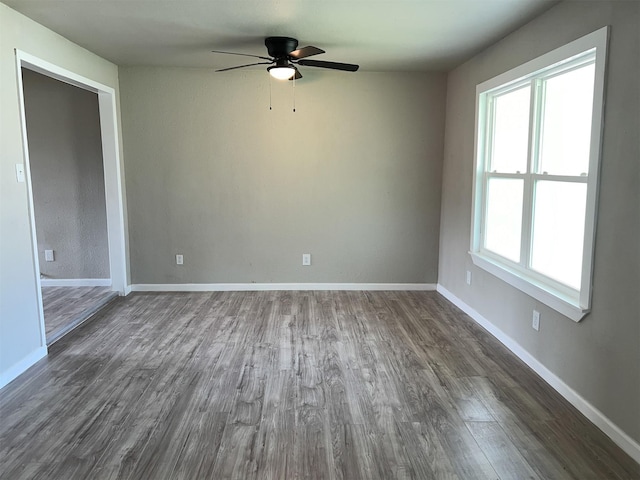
{"x": 281, "y": 72}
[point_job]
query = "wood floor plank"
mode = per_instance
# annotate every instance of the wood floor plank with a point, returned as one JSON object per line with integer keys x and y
{"x": 276, "y": 436}
{"x": 65, "y": 308}
{"x": 292, "y": 385}
{"x": 236, "y": 457}
{"x": 425, "y": 451}
{"x": 505, "y": 459}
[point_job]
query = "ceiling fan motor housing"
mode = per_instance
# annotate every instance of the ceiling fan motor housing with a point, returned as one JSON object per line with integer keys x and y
{"x": 280, "y": 47}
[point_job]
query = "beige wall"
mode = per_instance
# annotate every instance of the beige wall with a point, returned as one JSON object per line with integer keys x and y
{"x": 352, "y": 177}
{"x": 20, "y": 336}
{"x": 600, "y": 356}
{"x": 67, "y": 175}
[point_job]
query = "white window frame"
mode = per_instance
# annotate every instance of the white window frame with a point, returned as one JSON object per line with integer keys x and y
{"x": 574, "y": 304}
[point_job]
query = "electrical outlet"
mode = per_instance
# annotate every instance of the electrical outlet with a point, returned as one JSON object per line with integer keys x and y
{"x": 536, "y": 320}
{"x": 306, "y": 259}
{"x": 48, "y": 256}
{"x": 468, "y": 277}
{"x": 20, "y": 172}
{"x": 179, "y": 259}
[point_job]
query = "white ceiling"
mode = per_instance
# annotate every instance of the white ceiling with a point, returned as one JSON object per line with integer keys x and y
{"x": 406, "y": 35}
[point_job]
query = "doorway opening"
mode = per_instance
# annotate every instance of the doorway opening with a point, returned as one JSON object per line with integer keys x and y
{"x": 74, "y": 186}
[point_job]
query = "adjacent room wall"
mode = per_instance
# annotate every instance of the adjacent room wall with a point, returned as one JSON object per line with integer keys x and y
{"x": 67, "y": 176}
{"x": 20, "y": 335}
{"x": 352, "y": 177}
{"x": 600, "y": 356}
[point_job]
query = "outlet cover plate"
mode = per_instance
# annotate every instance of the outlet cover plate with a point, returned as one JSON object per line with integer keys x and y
{"x": 535, "y": 322}
{"x": 306, "y": 259}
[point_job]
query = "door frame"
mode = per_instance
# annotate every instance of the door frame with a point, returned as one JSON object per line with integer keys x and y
{"x": 113, "y": 171}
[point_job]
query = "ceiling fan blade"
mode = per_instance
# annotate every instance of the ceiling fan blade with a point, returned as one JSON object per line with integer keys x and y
{"x": 243, "y": 66}
{"x": 297, "y": 76}
{"x": 347, "y": 67}
{"x": 306, "y": 52}
{"x": 242, "y": 54}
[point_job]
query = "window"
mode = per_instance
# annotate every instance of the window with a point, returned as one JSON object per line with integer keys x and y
{"x": 538, "y": 130}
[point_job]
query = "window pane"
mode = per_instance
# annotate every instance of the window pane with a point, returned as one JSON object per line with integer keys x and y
{"x": 511, "y": 132}
{"x": 504, "y": 217}
{"x": 566, "y": 125}
{"x": 558, "y": 231}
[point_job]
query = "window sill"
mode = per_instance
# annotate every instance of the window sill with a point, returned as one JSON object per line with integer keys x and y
{"x": 559, "y": 301}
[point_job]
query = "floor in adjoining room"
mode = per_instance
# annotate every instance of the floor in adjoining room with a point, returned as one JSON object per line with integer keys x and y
{"x": 316, "y": 385}
{"x": 66, "y": 307}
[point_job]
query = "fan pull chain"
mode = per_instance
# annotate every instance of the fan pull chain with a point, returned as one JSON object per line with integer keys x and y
{"x": 269, "y": 92}
{"x": 294, "y": 94}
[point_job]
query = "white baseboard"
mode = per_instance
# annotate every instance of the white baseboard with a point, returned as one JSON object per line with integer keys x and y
{"x": 624, "y": 441}
{"x": 75, "y": 282}
{"x": 251, "y": 287}
{"x": 22, "y": 366}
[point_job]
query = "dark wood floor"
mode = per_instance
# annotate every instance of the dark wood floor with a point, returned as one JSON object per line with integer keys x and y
{"x": 66, "y": 307}
{"x": 344, "y": 385}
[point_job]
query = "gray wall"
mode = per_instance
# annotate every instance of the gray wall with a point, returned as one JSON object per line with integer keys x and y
{"x": 21, "y": 338}
{"x": 67, "y": 176}
{"x": 600, "y": 356}
{"x": 352, "y": 177}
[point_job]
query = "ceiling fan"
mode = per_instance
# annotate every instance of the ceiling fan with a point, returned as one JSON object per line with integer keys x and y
{"x": 285, "y": 56}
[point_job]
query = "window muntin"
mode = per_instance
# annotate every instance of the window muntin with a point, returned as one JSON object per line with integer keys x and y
{"x": 558, "y": 177}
